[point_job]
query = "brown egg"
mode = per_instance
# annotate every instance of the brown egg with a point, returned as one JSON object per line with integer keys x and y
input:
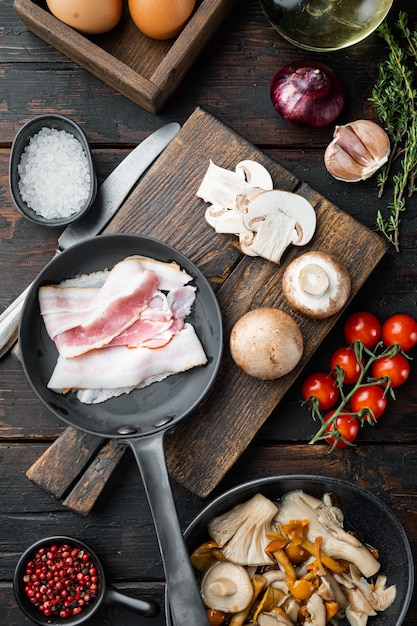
{"x": 161, "y": 19}
{"x": 90, "y": 17}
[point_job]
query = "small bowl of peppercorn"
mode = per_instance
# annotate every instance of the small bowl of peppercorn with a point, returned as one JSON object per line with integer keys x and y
{"x": 60, "y": 581}
{"x": 52, "y": 178}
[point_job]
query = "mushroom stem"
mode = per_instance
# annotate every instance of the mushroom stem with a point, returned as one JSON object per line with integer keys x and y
{"x": 314, "y": 279}
{"x": 222, "y": 587}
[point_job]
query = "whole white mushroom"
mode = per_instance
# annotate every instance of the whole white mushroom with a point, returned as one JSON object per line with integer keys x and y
{"x": 266, "y": 343}
{"x": 316, "y": 284}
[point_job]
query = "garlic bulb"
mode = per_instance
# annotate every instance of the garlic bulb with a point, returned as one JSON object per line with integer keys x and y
{"x": 357, "y": 151}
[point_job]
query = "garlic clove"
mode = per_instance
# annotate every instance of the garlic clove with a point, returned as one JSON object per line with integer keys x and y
{"x": 341, "y": 165}
{"x": 351, "y": 143}
{"x": 357, "y": 151}
{"x": 373, "y": 137}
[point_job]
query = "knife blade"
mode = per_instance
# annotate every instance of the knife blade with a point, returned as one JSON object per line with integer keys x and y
{"x": 110, "y": 197}
{"x": 114, "y": 190}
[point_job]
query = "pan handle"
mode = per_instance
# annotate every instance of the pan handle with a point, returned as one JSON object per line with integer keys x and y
{"x": 147, "y": 608}
{"x": 185, "y": 601}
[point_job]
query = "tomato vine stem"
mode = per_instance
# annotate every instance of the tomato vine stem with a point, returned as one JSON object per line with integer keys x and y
{"x": 365, "y": 358}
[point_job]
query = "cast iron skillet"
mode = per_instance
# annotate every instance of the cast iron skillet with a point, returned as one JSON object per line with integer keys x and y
{"x": 142, "y": 417}
{"x": 364, "y": 514}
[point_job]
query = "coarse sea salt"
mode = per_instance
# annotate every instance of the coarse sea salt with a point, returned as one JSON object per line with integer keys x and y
{"x": 54, "y": 174}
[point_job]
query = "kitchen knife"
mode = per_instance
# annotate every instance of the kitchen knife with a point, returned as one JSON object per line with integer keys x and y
{"x": 110, "y": 196}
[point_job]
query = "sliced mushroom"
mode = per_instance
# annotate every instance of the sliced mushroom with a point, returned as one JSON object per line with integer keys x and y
{"x": 242, "y": 531}
{"x": 266, "y": 220}
{"x": 279, "y": 218}
{"x": 266, "y": 343}
{"x": 316, "y": 284}
{"x": 224, "y": 220}
{"x": 226, "y": 587}
{"x": 220, "y": 186}
{"x": 255, "y": 174}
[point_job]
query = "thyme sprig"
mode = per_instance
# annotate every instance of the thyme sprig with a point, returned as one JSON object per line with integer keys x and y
{"x": 395, "y": 98}
{"x": 366, "y": 358}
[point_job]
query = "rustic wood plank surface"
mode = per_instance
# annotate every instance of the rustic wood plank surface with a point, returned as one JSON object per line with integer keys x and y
{"x": 230, "y": 81}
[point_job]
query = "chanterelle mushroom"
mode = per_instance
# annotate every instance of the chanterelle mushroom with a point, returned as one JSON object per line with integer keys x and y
{"x": 226, "y": 587}
{"x": 242, "y": 531}
{"x": 316, "y": 284}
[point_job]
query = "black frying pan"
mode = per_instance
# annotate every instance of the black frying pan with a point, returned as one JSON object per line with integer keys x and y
{"x": 142, "y": 417}
{"x": 364, "y": 514}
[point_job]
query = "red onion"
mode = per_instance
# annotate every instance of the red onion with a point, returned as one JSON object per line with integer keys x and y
{"x": 308, "y": 94}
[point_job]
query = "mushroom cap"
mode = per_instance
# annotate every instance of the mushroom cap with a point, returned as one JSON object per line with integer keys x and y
{"x": 266, "y": 343}
{"x": 226, "y": 587}
{"x": 255, "y": 174}
{"x": 316, "y": 284}
{"x": 242, "y": 532}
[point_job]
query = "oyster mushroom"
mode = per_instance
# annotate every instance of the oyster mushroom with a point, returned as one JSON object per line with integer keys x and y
{"x": 316, "y": 610}
{"x": 266, "y": 343}
{"x": 359, "y": 609}
{"x": 226, "y": 587}
{"x": 273, "y": 618}
{"x": 316, "y": 284}
{"x": 242, "y": 531}
{"x": 330, "y": 589}
{"x": 378, "y": 595}
{"x": 326, "y": 521}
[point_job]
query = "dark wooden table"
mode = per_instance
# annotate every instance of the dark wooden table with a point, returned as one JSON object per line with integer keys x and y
{"x": 231, "y": 81}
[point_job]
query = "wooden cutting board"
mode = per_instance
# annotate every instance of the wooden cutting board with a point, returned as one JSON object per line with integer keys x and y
{"x": 164, "y": 205}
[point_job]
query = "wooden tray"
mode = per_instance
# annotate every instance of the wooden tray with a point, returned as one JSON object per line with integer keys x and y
{"x": 164, "y": 205}
{"x": 143, "y": 69}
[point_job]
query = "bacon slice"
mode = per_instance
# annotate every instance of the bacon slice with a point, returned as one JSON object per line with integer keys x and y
{"x": 68, "y": 305}
{"x": 170, "y": 275}
{"x": 128, "y": 368}
{"x": 117, "y": 306}
{"x": 116, "y": 330}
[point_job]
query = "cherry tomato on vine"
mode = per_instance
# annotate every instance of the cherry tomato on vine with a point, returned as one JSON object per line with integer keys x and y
{"x": 396, "y": 368}
{"x": 363, "y": 326}
{"x": 370, "y": 399}
{"x": 322, "y": 387}
{"x": 345, "y": 358}
{"x": 401, "y": 329}
{"x": 346, "y": 424}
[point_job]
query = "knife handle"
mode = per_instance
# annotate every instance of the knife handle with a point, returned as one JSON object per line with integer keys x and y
{"x": 9, "y": 323}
